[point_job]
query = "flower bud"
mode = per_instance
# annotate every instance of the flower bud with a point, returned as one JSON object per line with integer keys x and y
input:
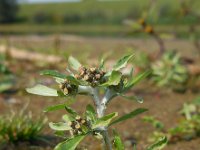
{"x": 86, "y": 77}
{"x": 92, "y": 69}
{"x": 77, "y": 126}
{"x": 97, "y": 76}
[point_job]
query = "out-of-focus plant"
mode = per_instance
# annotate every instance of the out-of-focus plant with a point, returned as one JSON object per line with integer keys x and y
{"x": 187, "y": 129}
{"x": 156, "y": 123}
{"x": 90, "y": 81}
{"x": 8, "y": 11}
{"x": 143, "y": 25}
{"x": 149, "y": 29}
{"x": 142, "y": 61}
{"x": 186, "y": 11}
{"x": 20, "y": 127}
{"x": 170, "y": 72}
{"x": 6, "y": 77}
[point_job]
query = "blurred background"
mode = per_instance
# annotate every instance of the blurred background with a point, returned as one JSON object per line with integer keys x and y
{"x": 41, "y": 34}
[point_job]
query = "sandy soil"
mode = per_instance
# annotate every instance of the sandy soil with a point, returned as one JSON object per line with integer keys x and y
{"x": 163, "y": 104}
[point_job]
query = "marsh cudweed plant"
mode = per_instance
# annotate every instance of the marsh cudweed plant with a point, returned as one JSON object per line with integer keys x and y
{"x": 169, "y": 71}
{"x": 89, "y": 81}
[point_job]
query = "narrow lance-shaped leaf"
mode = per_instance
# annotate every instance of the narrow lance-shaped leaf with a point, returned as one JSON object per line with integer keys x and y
{"x": 121, "y": 63}
{"x": 131, "y": 72}
{"x": 102, "y": 62}
{"x": 117, "y": 141}
{"x": 74, "y": 63}
{"x": 105, "y": 120}
{"x": 42, "y": 90}
{"x": 68, "y": 118}
{"x": 136, "y": 79}
{"x": 70, "y": 144}
{"x": 90, "y": 113}
{"x": 73, "y": 80}
{"x": 71, "y": 111}
{"x": 60, "y": 126}
{"x": 128, "y": 116}
{"x": 159, "y": 144}
{"x": 114, "y": 78}
{"x": 55, "y": 107}
{"x": 53, "y": 73}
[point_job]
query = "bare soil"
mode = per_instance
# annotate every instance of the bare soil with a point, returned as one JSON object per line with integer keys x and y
{"x": 163, "y": 104}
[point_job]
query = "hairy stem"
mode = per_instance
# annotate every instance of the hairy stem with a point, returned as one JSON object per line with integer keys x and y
{"x": 107, "y": 143}
{"x": 101, "y": 107}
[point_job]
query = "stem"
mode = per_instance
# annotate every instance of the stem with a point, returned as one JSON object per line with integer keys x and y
{"x": 108, "y": 145}
{"x": 108, "y": 96}
{"x": 101, "y": 107}
{"x": 160, "y": 43}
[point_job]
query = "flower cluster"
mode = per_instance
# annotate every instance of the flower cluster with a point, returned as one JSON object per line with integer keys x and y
{"x": 68, "y": 88}
{"x": 94, "y": 76}
{"x": 79, "y": 125}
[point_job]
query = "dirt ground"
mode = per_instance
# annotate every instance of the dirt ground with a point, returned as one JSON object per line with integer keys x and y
{"x": 163, "y": 104}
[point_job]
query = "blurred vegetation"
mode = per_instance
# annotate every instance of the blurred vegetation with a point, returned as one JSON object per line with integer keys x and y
{"x": 20, "y": 126}
{"x": 106, "y": 12}
{"x": 101, "y": 17}
{"x": 8, "y": 11}
{"x": 186, "y": 129}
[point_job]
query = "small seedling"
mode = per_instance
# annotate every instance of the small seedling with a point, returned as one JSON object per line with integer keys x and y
{"x": 90, "y": 81}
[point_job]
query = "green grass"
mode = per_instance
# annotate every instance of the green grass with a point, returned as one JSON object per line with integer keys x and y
{"x": 110, "y": 24}
{"x": 90, "y": 30}
{"x": 71, "y": 29}
{"x": 114, "y": 12}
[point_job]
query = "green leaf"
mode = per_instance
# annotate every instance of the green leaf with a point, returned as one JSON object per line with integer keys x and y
{"x": 71, "y": 111}
{"x": 129, "y": 115}
{"x": 53, "y": 73}
{"x": 76, "y": 81}
{"x": 105, "y": 120}
{"x": 121, "y": 63}
{"x": 101, "y": 66}
{"x": 136, "y": 79}
{"x": 42, "y": 90}
{"x": 70, "y": 144}
{"x": 156, "y": 123}
{"x": 114, "y": 78}
{"x": 131, "y": 72}
{"x": 55, "y": 107}
{"x": 159, "y": 144}
{"x": 60, "y": 126}
{"x": 67, "y": 118}
{"x": 117, "y": 141}
{"x": 90, "y": 113}
{"x": 5, "y": 86}
{"x": 74, "y": 63}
